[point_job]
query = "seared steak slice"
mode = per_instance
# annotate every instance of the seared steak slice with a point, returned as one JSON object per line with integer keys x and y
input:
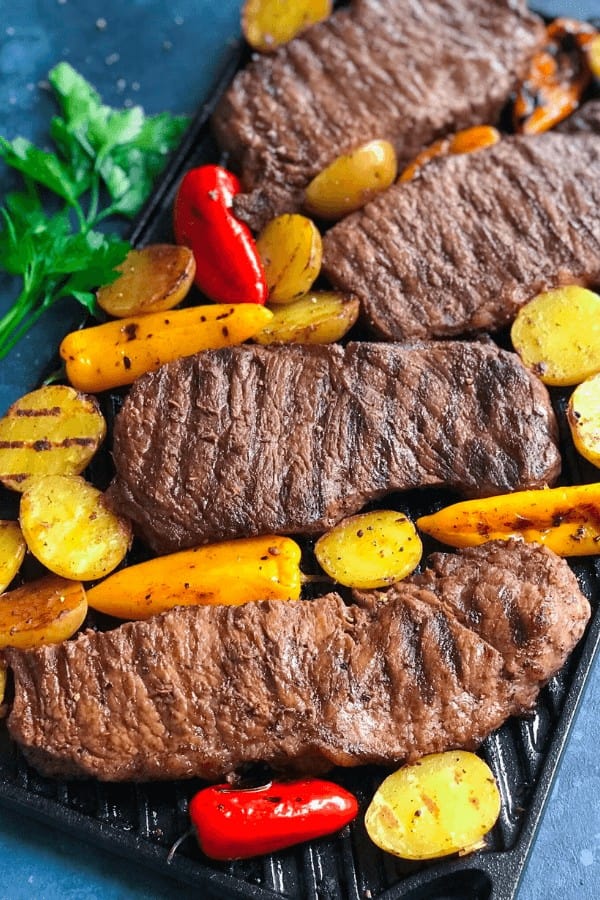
{"x": 306, "y": 685}
{"x": 290, "y": 439}
{"x": 407, "y": 72}
{"x": 473, "y": 238}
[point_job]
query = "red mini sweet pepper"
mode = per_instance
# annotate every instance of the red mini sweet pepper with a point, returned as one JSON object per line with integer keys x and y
{"x": 233, "y": 823}
{"x": 228, "y": 265}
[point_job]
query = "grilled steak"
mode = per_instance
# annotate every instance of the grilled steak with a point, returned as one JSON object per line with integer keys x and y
{"x": 290, "y": 439}
{"x": 407, "y": 72}
{"x": 585, "y": 119}
{"x": 473, "y": 238}
{"x": 441, "y": 662}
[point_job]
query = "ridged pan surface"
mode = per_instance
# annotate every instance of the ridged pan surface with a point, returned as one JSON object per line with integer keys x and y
{"x": 142, "y": 822}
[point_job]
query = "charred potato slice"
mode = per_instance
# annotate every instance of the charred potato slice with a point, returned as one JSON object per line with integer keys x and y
{"x": 52, "y": 431}
{"x": 47, "y": 611}
{"x": 70, "y": 529}
{"x": 318, "y": 318}
{"x": 370, "y": 550}
{"x": 291, "y": 250}
{"x": 583, "y": 413}
{"x": 267, "y": 24}
{"x": 444, "y": 803}
{"x": 557, "y": 335}
{"x": 12, "y": 551}
{"x": 153, "y": 279}
{"x": 352, "y": 180}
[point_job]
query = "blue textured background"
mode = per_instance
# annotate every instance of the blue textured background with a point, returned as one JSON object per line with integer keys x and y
{"x": 165, "y": 56}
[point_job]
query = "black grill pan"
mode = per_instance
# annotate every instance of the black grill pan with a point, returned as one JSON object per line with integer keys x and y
{"x": 141, "y": 822}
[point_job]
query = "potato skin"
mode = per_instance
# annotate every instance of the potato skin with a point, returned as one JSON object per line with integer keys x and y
{"x": 12, "y": 551}
{"x": 291, "y": 250}
{"x": 351, "y": 180}
{"x": 444, "y": 803}
{"x": 152, "y": 279}
{"x": 42, "y": 612}
{"x": 321, "y": 317}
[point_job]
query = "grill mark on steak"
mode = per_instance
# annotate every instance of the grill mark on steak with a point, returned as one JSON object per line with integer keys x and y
{"x": 301, "y": 685}
{"x": 472, "y": 238}
{"x": 258, "y": 440}
{"x": 391, "y": 69}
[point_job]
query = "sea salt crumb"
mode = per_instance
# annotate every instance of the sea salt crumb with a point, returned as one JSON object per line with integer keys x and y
{"x": 112, "y": 59}
{"x": 167, "y": 45}
{"x": 135, "y": 85}
{"x": 128, "y": 103}
{"x": 101, "y": 24}
{"x": 586, "y": 857}
{"x": 10, "y": 31}
{"x": 121, "y": 85}
{"x": 179, "y": 20}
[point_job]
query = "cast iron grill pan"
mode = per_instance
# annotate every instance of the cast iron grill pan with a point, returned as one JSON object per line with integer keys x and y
{"x": 142, "y": 821}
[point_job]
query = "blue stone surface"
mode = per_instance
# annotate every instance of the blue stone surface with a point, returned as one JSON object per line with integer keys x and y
{"x": 165, "y": 56}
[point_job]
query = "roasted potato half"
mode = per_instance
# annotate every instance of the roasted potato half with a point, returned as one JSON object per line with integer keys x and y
{"x": 557, "y": 335}
{"x": 370, "y": 550}
{"x": 583, "y": 414}
{"x": 70, "y": 529}
{"x": 443, "y": 803}
{"x": 352, "y": 180}
{"x": 321, "y": 317}
{"x": 267, "y": 24}
{"x": 12, "y": 551}
{"x": 291, "y": 250}
{"x": 47, "y": 611}
{"x": 52, "y": 431}
{"x": 152, "y": 279}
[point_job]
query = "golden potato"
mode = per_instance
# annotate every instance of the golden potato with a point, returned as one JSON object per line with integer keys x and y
{"x": 318, "y": 318}
{"x": 153, "y": 279}
{"x": 370, "y": 550}
{"x": 444, "y": 803}
{"x": 583, "y": 414}
{"x": 352, "y": 180}
{"x": 593, "y": 55}
{"x": 51, "y": 431}
{"x": 291, "y": 250}
{"x": 267, "y": 24}
{"x": 557, "y": 335}
{"x": 12, "y": 551}
{"x": 70, "y": 529}
{"x": 46, "y": 611}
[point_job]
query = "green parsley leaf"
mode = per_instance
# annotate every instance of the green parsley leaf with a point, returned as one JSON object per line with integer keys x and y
{"x": 105, "y": 164}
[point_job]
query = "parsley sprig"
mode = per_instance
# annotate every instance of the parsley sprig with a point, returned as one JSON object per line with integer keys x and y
{"x": 105, "y": 164}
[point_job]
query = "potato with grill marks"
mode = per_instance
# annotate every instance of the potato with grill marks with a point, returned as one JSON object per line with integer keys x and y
{"x": 52, "y": 431}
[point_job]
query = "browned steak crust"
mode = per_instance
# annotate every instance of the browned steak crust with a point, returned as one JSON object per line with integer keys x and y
{"x": 473, "y": 238}
{"x": 289, "y": 439}
{"x": 306, "y": 685}
{"x": 408, "y": 72}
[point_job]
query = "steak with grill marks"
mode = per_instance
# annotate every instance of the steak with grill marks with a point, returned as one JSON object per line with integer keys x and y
{"x": 407, "y": 72}
{"x": 473, "y": 238}
{"x": 290, "y": 439}
{"x": 435, "y": 663}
